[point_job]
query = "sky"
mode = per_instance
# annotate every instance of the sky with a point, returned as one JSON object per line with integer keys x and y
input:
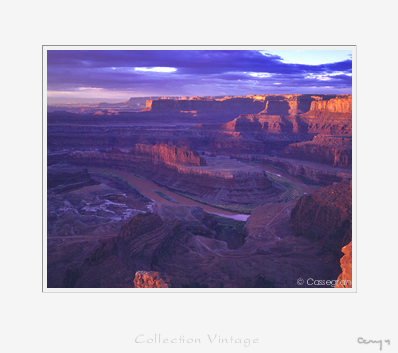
{"x": 79, "y": 76}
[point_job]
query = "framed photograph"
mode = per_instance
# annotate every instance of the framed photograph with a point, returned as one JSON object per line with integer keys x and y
{"x": 199, "y": 169}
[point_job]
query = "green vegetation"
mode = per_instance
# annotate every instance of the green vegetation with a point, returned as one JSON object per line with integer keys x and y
{"x": 166, "y": 197}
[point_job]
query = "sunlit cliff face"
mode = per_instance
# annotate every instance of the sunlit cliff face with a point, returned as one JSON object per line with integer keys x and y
{"x": 151, "y": 279}
{"x": 345, "y": 278}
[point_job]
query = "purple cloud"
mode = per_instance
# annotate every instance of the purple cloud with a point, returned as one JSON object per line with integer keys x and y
{"x": 191, "y": 72}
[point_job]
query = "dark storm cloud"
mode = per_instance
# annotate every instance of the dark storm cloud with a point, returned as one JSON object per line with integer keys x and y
{"x": 115, "y": 70}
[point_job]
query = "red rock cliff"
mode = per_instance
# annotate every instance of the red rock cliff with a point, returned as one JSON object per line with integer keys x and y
{"x": 336, "y": 105}
{"x": 151, "y": 279}
{"x": 333, "y": 116}
{"x": 345, "y": 278}
{"x": 289, "y": 105}
{"x": 170, "y": 155}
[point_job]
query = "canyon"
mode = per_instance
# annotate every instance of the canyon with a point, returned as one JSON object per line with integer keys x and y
{"x": 200, "y": 192}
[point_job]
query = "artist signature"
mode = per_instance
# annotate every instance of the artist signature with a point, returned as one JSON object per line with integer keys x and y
{"x": 380, "y": 342}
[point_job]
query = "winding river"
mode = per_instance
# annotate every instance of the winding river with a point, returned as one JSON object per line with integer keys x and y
{"x": 148, "y": 188}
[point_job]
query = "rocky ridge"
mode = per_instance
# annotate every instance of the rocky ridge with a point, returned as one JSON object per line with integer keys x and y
{"x": 63, "y": 177}
{"x": 317, "y": 173}
{"x": 205, "y": 104}
{"x": 325, "y": 215}
{"x": 333, "y": 117}
{"x": 236, "y": 184}
{"x": 335, "y": 151}
{"x": 180, "y": 259}
{"x": 169, "y": 155}
{"x": 345, "y": 278}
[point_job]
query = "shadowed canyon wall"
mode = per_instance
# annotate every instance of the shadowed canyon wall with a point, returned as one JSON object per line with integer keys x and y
{"x": 325, "y": 215}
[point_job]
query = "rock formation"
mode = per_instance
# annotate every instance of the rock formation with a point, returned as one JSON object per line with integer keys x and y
{"x": 317, "y": 173}
{"x": 330, "y": 150}
{"x": 65, "y": 177}
{"x": 276, "y": 124}
{"x": 233, "y": 185}
{"x": 288, "y": 105}
{"x": 325, "y": 215}
{"x": 226, "y": 233}
{"x": 169, "y": 155}
{"x": 257, "y": 224}
{"x": 148, "y": 244}
{"x": 196, "y": 220}
{"x": 263, "y": 124}
{"x": 151, "y": 279}
{"x": 339, "y": 105}
{"x": 345, "y": 278}
{"x": 333, "y": 117}
{"x": 79, "y": 218}
{"x": 238, "y": 104}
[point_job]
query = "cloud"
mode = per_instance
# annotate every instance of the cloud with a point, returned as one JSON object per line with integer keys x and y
{"x": 156, "y": 69}
{"x": 190, "y": 72}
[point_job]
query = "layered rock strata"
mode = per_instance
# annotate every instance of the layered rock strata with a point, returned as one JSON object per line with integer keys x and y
{"x": 317, "y": 129}
{"x": 237, "y": 183}
{"x": 169, "y": 155}
{"x": 332, "y": 117}
{"x": 317, "y": 173}
{"x": 331, "y": 150}
{"x": 253, "y": 124}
